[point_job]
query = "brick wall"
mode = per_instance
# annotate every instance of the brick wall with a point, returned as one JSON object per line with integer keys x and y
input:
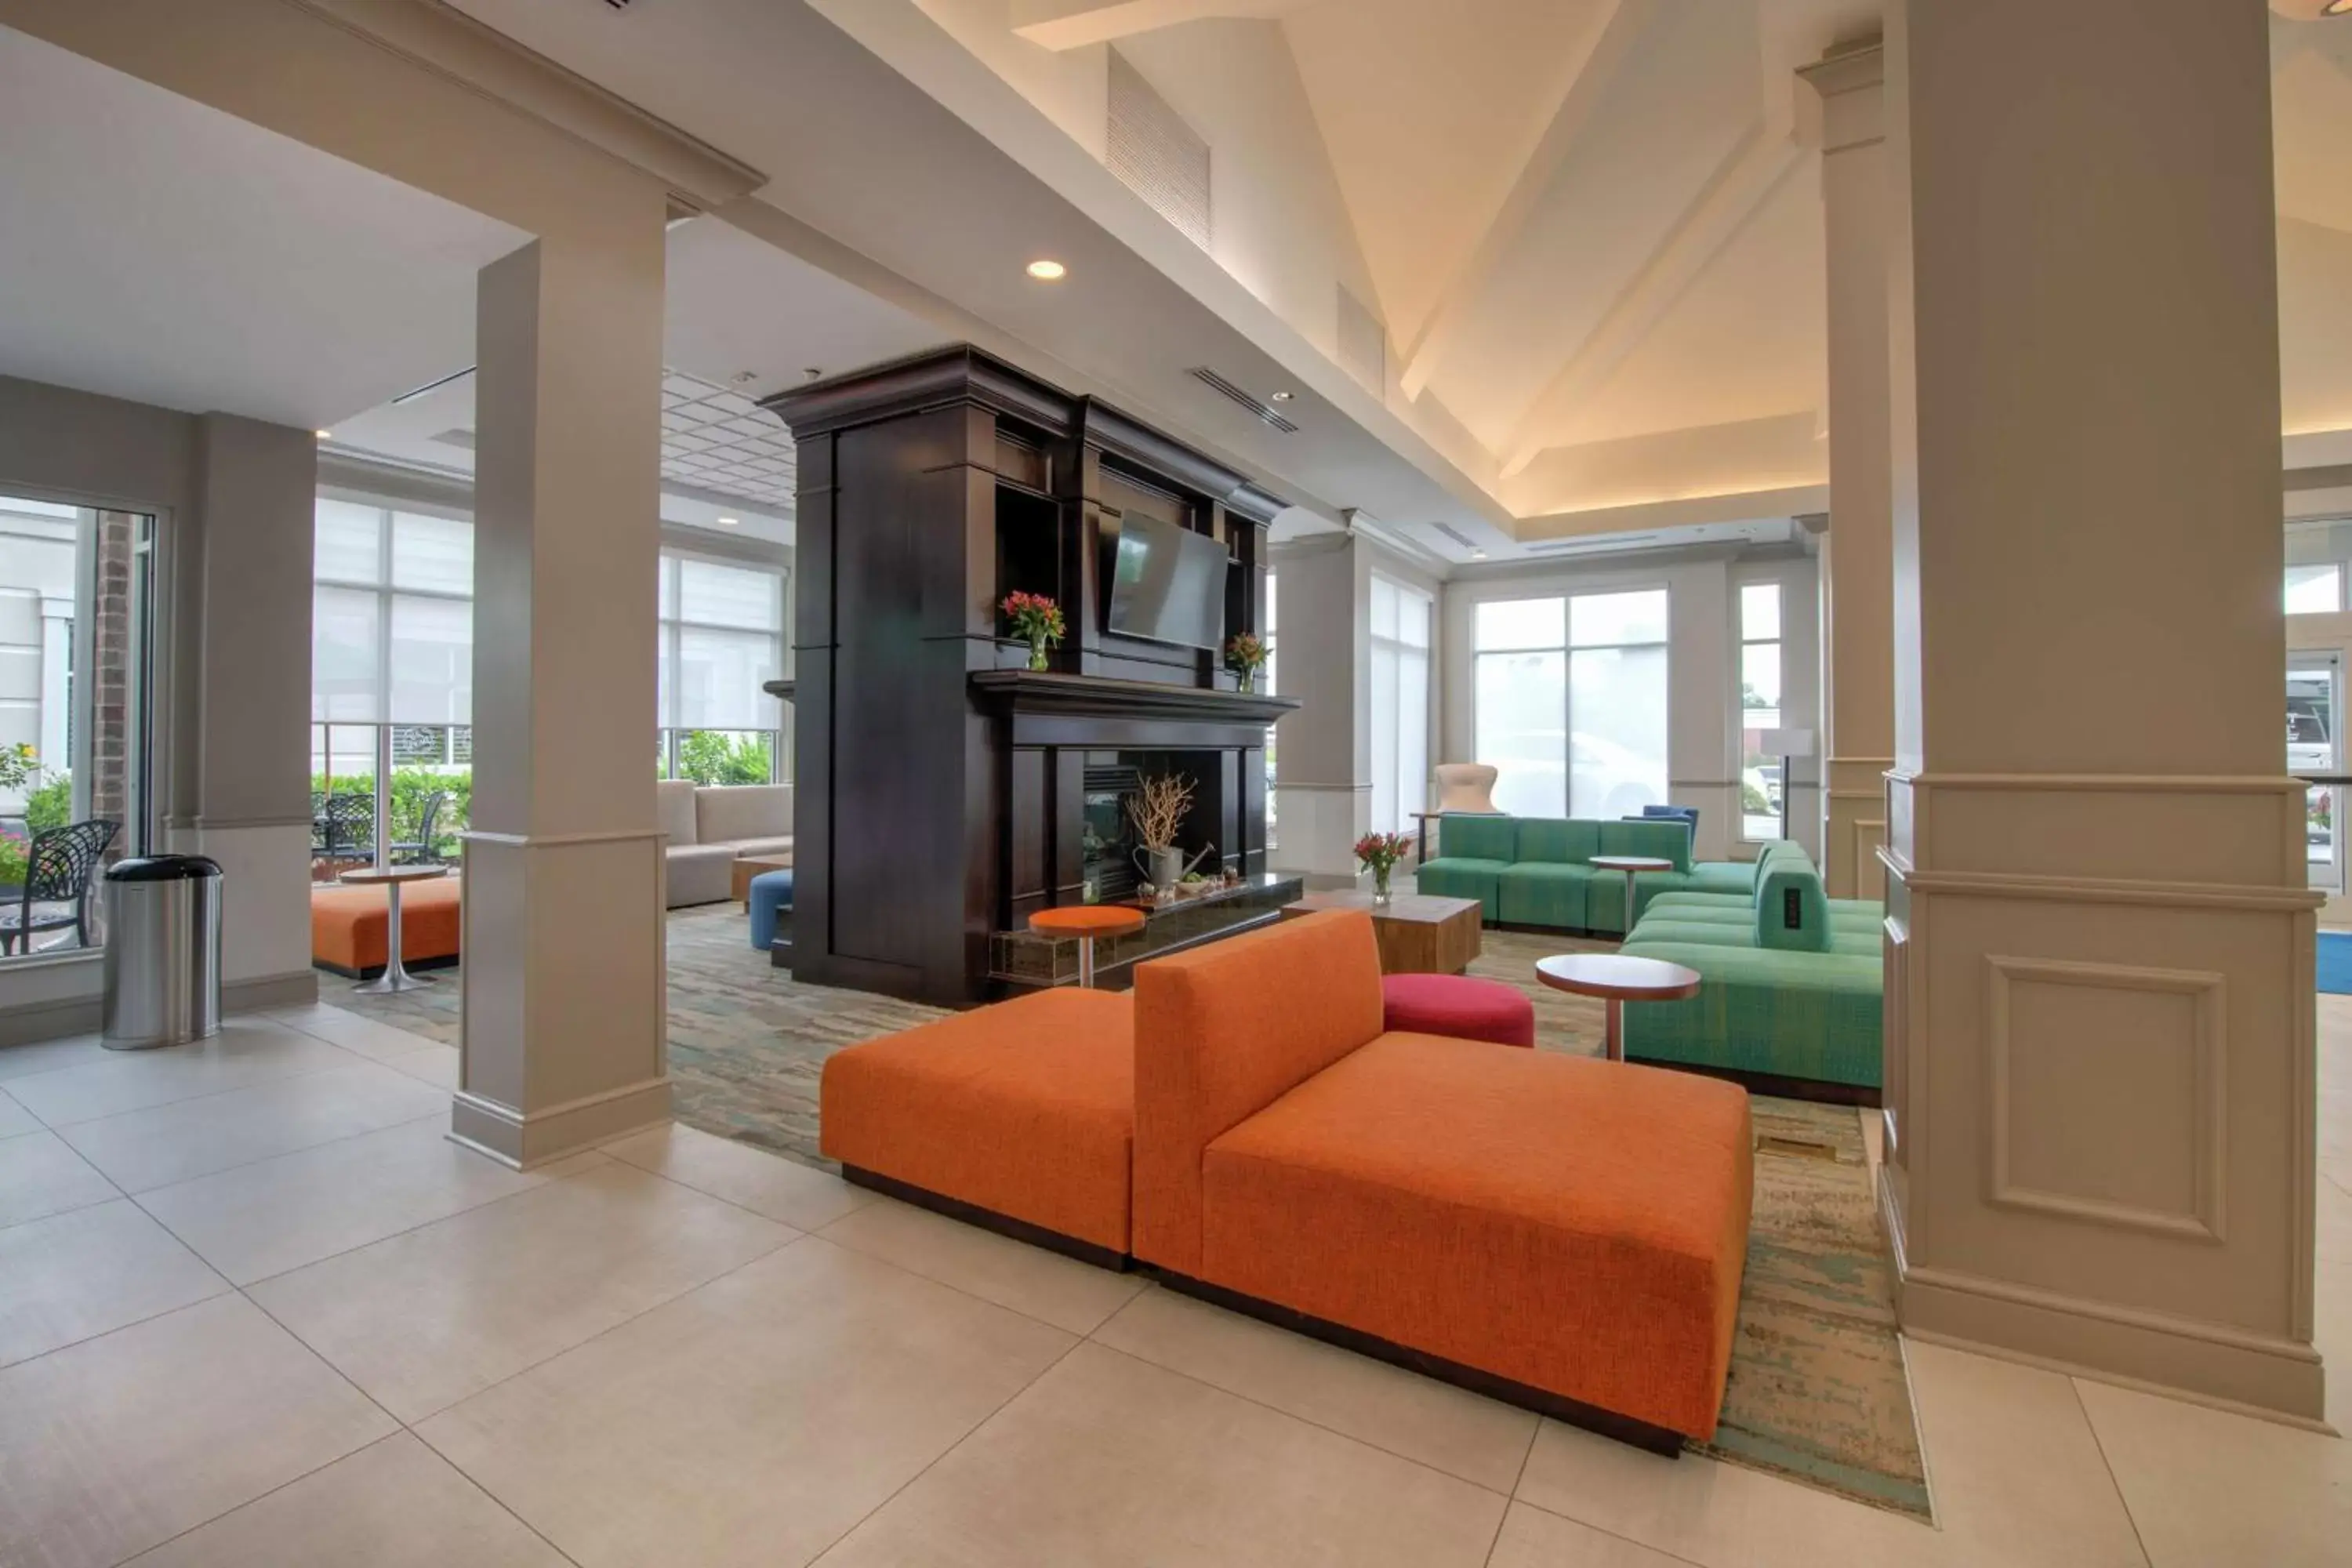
{"x": 108, "y": 755}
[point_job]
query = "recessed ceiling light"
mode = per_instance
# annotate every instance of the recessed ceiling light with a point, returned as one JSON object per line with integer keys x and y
{"x": 1284, "y": 396}
{"x": 1478, "y": 555}
{"x": 324, "y": 434}
{"x": 728, "y": 522}
{"x": 1046, "y": 270}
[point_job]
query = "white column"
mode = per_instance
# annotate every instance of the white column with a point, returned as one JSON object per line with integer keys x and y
{"x": 1323, "y": 784}
{"x": 2100, "y": 1004}
{"x": 564, "y": 1014}
{"x": 1856, "y": 559}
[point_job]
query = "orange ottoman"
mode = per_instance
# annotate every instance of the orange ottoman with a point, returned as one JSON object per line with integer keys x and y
{"x": 348, "y": 927}
{"x": 1024, "y": 1111}
{"x": 1575, "y": 1227}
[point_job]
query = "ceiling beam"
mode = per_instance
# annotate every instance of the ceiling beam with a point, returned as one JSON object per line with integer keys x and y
{"x": 1612, "y": 44}
{"x": 1061, "y": 24}
{"x": 1727, "y": 203}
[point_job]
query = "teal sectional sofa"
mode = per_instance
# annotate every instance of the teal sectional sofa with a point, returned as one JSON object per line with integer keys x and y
{"x": 1538, "y": 871}
{"x": 1790, "y": 998}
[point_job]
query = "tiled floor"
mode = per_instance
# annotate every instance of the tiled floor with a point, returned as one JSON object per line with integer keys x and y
{"x": 255, "y": 1310}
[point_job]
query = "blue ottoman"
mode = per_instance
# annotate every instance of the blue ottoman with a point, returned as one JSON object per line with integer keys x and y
{"x": 771, "y": 896}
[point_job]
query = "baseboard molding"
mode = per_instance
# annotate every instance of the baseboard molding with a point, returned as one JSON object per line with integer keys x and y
{"x": 2210, "y": 1363}
{"x": 292, "y": 990}
{"x": 520, "y": 1141}
{"x": 37, "y": 1021}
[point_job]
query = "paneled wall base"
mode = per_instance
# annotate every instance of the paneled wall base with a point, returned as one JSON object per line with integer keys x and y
{"x": 2100, "y": 1085}
{"x": 1853, "y": 828}
{"x": 564, "y": 1003}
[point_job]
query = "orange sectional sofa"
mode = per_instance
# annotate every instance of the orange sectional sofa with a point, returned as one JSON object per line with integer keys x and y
{"x": 348, "y": 927}
{"x": 1563, "y": 1233}
{"x": 1022, "y": 1111}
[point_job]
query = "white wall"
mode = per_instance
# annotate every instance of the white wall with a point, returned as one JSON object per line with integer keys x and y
{"x": 1702, "y": 670}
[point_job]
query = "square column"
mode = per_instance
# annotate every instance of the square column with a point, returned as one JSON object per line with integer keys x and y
{"x": 2099, "y": 946}
{"x": 1857, "y": 560}
{"x": 564, "y": 1012}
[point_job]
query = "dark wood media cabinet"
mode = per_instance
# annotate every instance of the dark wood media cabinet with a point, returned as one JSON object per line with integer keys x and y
{"x": 941, "y": 786}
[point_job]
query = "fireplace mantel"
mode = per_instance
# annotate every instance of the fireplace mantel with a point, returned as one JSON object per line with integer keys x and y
{"x": 1061, "y": 696}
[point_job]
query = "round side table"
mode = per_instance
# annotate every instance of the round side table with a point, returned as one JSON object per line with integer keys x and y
{"x": 391, "y": 878}
{"x": 1630, "y": 864}
{"x": 1088, "y": 922}
{"x": 1617, "y": 980}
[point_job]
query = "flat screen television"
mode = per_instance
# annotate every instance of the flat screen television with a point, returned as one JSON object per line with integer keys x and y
{"x": 1167, "y": 584}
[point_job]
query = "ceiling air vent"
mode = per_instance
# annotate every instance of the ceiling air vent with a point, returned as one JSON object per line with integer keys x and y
{"x": 1456, "y": 535}
{"x": 1161, "y": 158}
{"x": 1264, "y": 411}
{"x": 1596, "y": 546}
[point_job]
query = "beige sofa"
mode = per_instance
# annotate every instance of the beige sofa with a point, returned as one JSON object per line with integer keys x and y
{"x": 708, "y": 829}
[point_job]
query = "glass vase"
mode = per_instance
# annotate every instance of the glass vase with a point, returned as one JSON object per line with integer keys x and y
{"x": 1245, "y": 680}
{"x": 1381, "y": 884}
{"x": 1038, "y": 653}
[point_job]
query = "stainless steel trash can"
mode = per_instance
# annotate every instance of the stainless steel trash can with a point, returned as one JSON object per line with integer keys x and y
{"x": 162, "y": 952}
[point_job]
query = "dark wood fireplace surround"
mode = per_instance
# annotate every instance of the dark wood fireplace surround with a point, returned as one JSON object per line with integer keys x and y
{"x": 941, "y": 783}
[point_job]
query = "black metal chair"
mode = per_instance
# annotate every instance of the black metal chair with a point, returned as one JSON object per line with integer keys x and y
{"x": 347, "y": 829}
{"x": 60, "y": 871}
{"x": 425, "y": 846}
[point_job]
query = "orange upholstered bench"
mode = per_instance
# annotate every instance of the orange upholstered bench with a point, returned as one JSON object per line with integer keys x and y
{"x": 349, "y": 925}
{"x": 1564, "y": 1232}
{"x": 1019, "y": 1116}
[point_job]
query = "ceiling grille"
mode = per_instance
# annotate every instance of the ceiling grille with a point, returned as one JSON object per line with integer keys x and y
{"x": 1161, "y": 158}
{"x": 1264, "y": 411}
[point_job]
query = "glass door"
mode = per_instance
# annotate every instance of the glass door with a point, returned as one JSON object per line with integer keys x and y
{"x": 2314, "y": 745}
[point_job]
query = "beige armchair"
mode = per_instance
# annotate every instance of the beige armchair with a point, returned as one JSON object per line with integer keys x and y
{"x": 1466, "y": 786}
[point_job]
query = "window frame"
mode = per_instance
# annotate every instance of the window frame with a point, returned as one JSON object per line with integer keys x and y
{"x": 1567, "y": 647}
{"x": 1741, "y": 643}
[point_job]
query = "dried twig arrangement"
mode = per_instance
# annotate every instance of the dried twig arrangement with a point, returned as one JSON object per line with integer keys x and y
{"x": 1158, "y": 808}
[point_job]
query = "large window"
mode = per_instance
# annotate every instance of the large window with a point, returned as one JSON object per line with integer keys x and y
{"x": 392, "y": 685}
{"x": 76, "y": 591}
{"x": 1570, "y": 702}
{"x": 1400, "y": 704}
{"x": 2315, "y": 590}
{"x": 722, "y": 638}
{"x": 1763, "y": 793}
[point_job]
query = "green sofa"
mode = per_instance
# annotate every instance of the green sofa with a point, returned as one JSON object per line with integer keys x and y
{"x": 1791, "y": 992}
{"x": 1538, "y": 871}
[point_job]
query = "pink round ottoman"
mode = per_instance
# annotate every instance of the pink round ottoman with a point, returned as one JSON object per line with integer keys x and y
{"x": 1458, "y": 1007}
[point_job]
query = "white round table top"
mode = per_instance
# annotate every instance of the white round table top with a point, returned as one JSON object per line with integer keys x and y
{"x": 1631, "y": 863}
{"x": 1617, "y": 974}
{"x": 370, "y": 875}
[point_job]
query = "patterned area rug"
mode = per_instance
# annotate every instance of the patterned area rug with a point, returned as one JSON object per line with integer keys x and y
{"x": 1818, "y": 1391}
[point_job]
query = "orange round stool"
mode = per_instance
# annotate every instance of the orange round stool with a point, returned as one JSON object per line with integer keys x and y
{"x": 1087, "y": 922}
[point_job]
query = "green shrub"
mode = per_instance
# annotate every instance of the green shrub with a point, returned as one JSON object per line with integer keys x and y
{"x": 15, "y": 855}
{"x": 713, "y": 757}
{"x": 50, "y": 805}
{"x": 411, "y": 787}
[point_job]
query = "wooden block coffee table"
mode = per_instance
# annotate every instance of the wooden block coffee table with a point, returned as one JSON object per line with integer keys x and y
{"x": 1419, "y": 934}
{"x": 750, "y": 866}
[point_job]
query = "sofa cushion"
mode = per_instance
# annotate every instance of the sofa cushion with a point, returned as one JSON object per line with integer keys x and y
{"x": 699, "y": 874}
{"x": 1661, "y": 838}
{"x": 1737, "y": 876}
{"x": 1556, "y": 839}
{"x": 1224, "y": 1030}
{"x": 1544, "y": 893}
{"x": 729, "y": 813}
{"x": 1023, "y": 1109}
{"x": 1658, "y": 927}
{"x": 781, "y": 844}
{"x": 1454, "y": 877}
{"x": 1814, "y": 1015}
{"x": 1574, "y": 1225}
{"x": 674, "y": 810}
{"x": 1465, "y": 837}
{"x": 350, "y": 926}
